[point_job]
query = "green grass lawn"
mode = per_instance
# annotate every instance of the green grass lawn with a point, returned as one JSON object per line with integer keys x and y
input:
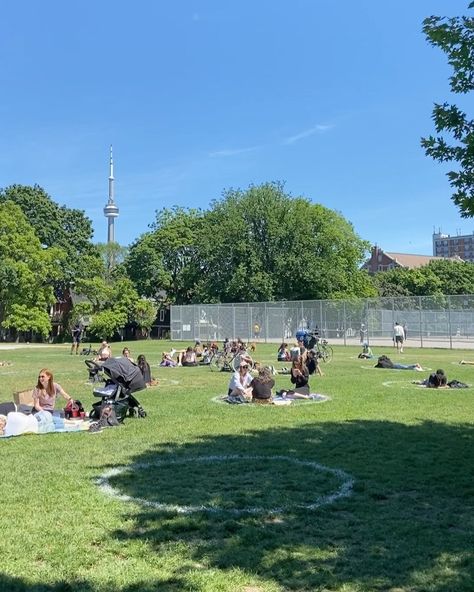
{"x": 214, "y": 497}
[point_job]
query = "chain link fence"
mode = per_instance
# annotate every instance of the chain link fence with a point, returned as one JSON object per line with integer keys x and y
{"x": 429, "y": 321}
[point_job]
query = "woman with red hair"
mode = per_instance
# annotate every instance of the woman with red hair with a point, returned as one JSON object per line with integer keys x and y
{"x": 46, "y": 391}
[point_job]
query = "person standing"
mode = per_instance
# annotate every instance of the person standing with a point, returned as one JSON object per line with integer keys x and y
{"x": 256, "y": 331}
{"x": 76, "y": 337}
{"x": 398, "y": 337}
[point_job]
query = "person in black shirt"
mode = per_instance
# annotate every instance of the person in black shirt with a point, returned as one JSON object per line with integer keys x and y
{"x": 299, "y": 377}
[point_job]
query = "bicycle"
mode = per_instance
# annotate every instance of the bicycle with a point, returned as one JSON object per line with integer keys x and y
{"x": 230, "y": 362}
{"x": 324, "y": 350}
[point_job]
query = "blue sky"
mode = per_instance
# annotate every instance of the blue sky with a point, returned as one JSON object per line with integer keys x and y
{"x": 199, "y": 96}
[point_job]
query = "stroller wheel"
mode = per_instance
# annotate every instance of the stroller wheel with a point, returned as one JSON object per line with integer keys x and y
{"x": 132, "y": 412}
{"x": 141, "y": 412}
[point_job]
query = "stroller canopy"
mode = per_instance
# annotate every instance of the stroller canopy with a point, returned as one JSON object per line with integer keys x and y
{"x": 124, "y": 372}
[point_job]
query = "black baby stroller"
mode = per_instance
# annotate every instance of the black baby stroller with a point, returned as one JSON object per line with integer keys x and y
{"x": 124, "y": 378}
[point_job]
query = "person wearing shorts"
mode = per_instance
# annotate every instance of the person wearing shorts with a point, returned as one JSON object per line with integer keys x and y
{"x": 76, "y": 338}
{"x": 398, "y": 337}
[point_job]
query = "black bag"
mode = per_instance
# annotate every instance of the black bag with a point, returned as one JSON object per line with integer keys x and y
{"x": 108, "y": 417}
{"x": 457, "y": 384}
{"x": 120, "y": 409}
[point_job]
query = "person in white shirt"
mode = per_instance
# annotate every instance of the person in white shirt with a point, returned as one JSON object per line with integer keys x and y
{"x": 239, "y": 384}
{"x": 398, "y": 337}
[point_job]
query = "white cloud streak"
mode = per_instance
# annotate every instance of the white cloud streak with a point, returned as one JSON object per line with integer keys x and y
{"x": 315, "y": 129}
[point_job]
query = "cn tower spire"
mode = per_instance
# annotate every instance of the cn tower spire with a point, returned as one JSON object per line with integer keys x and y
{"x": 111, "y": 210}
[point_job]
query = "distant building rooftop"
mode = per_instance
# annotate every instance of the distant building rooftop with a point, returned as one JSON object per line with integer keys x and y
{"x": 383, "y": 261}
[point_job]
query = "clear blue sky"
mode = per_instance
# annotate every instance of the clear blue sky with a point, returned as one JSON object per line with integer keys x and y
{"x": 329, "y": 96}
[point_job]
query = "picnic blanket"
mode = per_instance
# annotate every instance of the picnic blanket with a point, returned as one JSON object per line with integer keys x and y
{"x": 41, "y": 423}
{"x": 288, "y": 399}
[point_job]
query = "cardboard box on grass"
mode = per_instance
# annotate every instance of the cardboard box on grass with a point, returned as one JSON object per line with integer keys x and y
{"x": 23, "y": 397}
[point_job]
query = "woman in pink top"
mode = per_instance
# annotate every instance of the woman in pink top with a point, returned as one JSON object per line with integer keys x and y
{"x": 46, "y": 391}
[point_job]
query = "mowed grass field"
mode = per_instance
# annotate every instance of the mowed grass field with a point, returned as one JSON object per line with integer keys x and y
{"x": 370, "y": 491}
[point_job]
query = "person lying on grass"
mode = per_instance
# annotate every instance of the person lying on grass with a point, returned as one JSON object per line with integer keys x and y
{"x": 386, "y": 362}
{"x": 46, "y": 391}
{"x": 436, "y": 380}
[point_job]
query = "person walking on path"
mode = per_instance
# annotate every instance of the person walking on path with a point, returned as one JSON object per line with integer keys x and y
{"x": 398, "y": 337}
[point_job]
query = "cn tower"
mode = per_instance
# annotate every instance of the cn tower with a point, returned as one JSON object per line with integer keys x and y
{"x": 111, "y": 211}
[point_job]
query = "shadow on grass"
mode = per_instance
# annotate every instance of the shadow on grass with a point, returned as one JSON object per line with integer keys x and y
{"x": 408, "y": 523}
{"x": 407, "y": 526}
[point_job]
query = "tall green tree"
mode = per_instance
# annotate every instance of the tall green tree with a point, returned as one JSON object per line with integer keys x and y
{"x": 28, "y": 271}
{"x": 263, "y": 244}
{"x": 59, "y": 226}
{"x": 455, "y": 36}
{"x": 166, "y": 259}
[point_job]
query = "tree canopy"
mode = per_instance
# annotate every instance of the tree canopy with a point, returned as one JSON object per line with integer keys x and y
{"x": 455, "y": 36}
{"x": 253, "y": 245}
{"x": 442, "y": 277}
{"x": 27, "y": 273}
{"x": 58, "y": 226}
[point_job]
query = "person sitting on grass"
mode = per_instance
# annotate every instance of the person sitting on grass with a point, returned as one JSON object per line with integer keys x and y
{"x": 299, "y": 376}
{"x": 167, "y": 360}
{"x": 104, "y": 353}
{"x": 145, "y": 370}
{"x": 126, "y": 354}
{"x": 239, "y": 385}
{"x": 283, "y": 354}
{"x": 262, "y": 386}
{"x": 366, "y": 353}
{"x": 386, "y": 362}
{"x": 312, "y": 362}
{"x": 188, "y": 358}
{"x": 46, "y": 391}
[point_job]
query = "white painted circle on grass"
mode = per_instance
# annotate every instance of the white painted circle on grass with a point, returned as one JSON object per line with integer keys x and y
{"x": 343, "y": 491}
{"x": 399, "y": 383}
{"x": 221, "y": 399}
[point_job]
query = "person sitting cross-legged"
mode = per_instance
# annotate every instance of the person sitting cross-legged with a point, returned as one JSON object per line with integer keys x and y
{"x": 262, "y": 386}
{"x": 239, "y": 385}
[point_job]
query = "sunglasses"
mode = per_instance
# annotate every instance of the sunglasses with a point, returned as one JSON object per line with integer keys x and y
{"x": 43, "y": 376}
{"x": 244, "y": 366}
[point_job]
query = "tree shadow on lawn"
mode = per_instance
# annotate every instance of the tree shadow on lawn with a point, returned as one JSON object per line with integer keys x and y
{"x": 407, "y": 524}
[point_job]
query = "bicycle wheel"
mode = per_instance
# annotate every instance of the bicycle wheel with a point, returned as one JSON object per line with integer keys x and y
{"x": 241, "y": 358}
{"x": 326, "y": 353}
{"x": 217, "y": 362}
